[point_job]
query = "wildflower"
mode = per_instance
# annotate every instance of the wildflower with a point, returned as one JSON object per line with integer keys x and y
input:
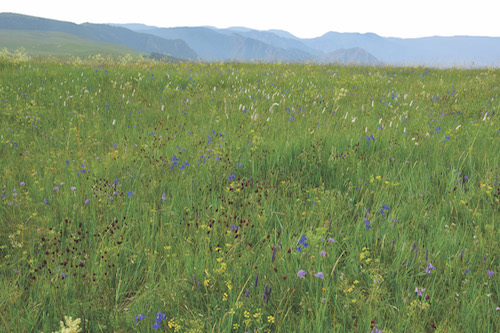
{"x": 301, "y": 273}
{"x": 160, "y": 316}
{"x": 376, "y": 330}
{"x": 130, "y": 194}
{"x": 331, "y": 240}
{"x": 87, "y": 201}
{"x": 490, "y": 273}
{"x": 72, "y": 325}
{"x": 73, "y": 188}
{"x": 22, "y": 184}
{"x": 385, "y": 207}
{"x": 256, "y": 280}
{"x": 139, "y": 318}
{"x": 319, "y": 275}
{"x": 467, "y": 271}
{"x": 156, "y": 325}
{"x": 419, "y": 291}
{"x": 163, "y": 197}
{"x": 247, "y": 292}
{"x": 429, "y": 268}
{"x": 267, "y": 293}
{"x": 56, "y": 188}
{"x": 302, "y": 241}
{"x": 323, "y": 300}
{"x": 323, "y": 253}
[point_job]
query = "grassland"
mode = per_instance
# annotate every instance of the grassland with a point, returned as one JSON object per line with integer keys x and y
{"x": 143, "y": 196}
{"x": 50, "y": 43}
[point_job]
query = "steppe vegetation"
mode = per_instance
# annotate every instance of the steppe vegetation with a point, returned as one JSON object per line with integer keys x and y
{"x": 233, "y": 197}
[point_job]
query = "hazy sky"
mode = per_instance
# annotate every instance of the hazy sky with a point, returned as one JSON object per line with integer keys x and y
{"x": 306, "y": 18}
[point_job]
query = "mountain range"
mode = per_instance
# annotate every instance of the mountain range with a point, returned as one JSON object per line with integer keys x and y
{"x": 243, "y": 44}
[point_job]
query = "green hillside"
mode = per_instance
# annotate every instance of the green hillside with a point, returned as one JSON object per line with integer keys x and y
{"x": 58, "y": 44}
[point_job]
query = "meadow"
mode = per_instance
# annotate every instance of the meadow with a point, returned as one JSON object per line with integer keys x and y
{"x": 140, "y": 196}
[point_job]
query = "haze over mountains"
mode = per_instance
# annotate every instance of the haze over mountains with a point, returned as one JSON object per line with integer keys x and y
{"x": 244, "y": 44}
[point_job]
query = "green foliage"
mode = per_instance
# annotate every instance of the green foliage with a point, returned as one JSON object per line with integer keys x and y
{"x": 133, "y": 186}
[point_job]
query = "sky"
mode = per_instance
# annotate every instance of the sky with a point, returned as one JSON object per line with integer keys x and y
{"x": 305, "y": 19}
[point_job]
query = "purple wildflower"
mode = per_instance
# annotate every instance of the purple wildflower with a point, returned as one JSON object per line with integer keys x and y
{"x": 331, "y": 240}
{"x": 301, "y": 273}
{"x": 490, "y": 273}
{"x": 319, "y": 275}
{"x": 419, "y": 291}
{"x": 160, "y": 316}
{"x": 323, "y": 253}
{"x": 139, "y": 318}
{"x": 429, "y": 268}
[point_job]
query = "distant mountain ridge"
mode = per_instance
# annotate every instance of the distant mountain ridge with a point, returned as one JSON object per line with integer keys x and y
{"x": 100, "y": 33}
{"x": 208, "y": 43}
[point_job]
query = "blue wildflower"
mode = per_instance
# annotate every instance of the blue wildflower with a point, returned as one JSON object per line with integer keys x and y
{"x": 139, "y": 318}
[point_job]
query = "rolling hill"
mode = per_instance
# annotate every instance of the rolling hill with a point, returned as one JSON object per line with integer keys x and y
{"x": 46, "y": 43}
{"x": 100, "y": 33}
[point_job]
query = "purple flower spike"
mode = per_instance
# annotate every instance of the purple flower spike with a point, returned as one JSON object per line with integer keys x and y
{"x": 319, "y": 275}
{"x": 429, "y": 268}
{"x": 301, "y": 273}
{"x": 490, "y": 273}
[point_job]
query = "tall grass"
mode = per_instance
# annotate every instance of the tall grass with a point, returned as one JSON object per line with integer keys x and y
{"x": 209, "y": 197}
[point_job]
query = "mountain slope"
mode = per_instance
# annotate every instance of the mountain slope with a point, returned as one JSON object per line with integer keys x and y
{"x": 353, "y": 55}
{"x": 101, "y": 33}
{"x": 434, "y": 51}
{"x": 212, "y": 45}
{"x": 59, "y": 44}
